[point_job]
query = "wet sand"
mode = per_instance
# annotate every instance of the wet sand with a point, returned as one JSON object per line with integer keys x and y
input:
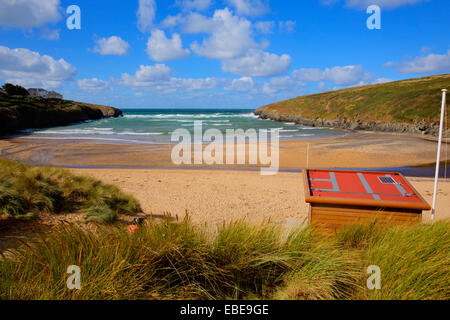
{"x": 359, "y": 150}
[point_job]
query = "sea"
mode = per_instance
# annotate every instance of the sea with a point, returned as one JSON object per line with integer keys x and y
{"x": 155, "y": 126}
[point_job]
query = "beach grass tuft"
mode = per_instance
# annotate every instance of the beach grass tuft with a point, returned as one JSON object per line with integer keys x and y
{"x": 26, "y": 191}
{"x": 180, "y": 260}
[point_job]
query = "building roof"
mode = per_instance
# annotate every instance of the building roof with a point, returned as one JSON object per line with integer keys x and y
{"x": 362, "y": 188}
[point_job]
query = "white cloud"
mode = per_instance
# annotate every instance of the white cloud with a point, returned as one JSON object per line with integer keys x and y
{"x": 383, "y": 80}
{"x": 322, "y": 85}
{"x": 158, "y": 78}
{"x": 113, "y": 45}
{"x": 309, "y": 74}
{"x": 276, "y": 85}
{"x": 348, "y": 75}
{"x": 230, "y": 36}
{"x": 172, "y": 21}
{"x": 146, "y": 14}
{"x": 287, "y": 26}
{"x": 50, "y": 34}
{"x": 147, "y": 76}
{"x": 198, "y": 23}
{"x": 257, "y": 63}
{"x": 384, "y": 4}
{"x": 200, "y": 84}
{"x": 29, "y": 13}
{"x": 432, "y": 63}
{"x": 244, "y": 84}
{"x": 341, "y": 76}
{"x": 198, "y": 5}
{"x": 93, "y": 84}
{"x": 252, "y": 8}
{"x": 265, "y": 27}
{"x": 161, "y": 48}
{"x": 29, "y": 68}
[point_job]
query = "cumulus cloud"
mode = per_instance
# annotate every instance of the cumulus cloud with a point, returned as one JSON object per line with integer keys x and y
{"x": 385, "y": 4}
{"x": 146, "y": 14}
{"x": 147, "y": 76}
{"x": 158, "y": 78}
{"x": 432, "y": 63}
{"x": 161, "y": 48}
{"x": 257, "y": 63}
{"x": 340, "y": 75}
{"x": 93, "y": 84}
{"x": 348, "y": 75}
{"x": 172, "y": 21}
{"x": 276, "y": 85}
{"x": 29, "y": 68}
{"x": 230, "y": 36}
{"x": 113, "y": 45}
{"x": 265, "y": 27}
{"x": 309, "y": 74}
{"x": 29, "y": 13}
{"x": 287, "y": 26}
{"x": 49, "y": 34}
{"x": 198, "y": 5}
{"x": 252, "y": 8}
{"x": 244, "y": 84}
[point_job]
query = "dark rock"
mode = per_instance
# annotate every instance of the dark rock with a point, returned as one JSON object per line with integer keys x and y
{"x": 421, "y": 127}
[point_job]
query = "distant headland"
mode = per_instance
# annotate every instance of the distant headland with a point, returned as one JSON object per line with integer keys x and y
{"x": 20, "y": 109}
{"x": 408, "y": 106}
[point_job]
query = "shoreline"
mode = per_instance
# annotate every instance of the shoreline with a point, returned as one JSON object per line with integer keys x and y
{"x": 215, "y": 195}
{"x": 351, "y": 150}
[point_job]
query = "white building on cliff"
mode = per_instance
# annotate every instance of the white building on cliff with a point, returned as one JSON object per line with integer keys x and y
{"x": 39, "y": 92}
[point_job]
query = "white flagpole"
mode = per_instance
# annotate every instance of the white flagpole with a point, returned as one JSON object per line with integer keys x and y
{"x": 441, "y": 127}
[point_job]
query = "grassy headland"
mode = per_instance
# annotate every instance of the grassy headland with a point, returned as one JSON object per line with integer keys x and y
{"x": 165, "y": 260}
{"x": 409, "y": 106}
{"x": 18, "y": 113}
{"x": 27, "y": 191}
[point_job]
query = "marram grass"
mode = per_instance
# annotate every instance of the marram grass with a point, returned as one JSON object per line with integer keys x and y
{"x": 26, "y": 191}
{"x": 165, "y": 260}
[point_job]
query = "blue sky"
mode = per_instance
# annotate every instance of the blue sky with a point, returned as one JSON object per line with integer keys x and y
{"x": 217, "y": 53}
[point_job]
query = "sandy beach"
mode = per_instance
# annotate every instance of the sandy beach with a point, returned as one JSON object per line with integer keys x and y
{"x": 215, "y": 194}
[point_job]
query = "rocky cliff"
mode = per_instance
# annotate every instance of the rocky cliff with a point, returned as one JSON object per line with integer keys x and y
{"x": 18, "y": 113}
{"x": 408, "y": 106}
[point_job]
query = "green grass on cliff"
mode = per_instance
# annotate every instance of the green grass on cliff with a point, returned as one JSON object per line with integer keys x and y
{"x": 27, "y": 191}
{"x": 18, "y": 113}
{"x": 406, "y": 101}
{"x": 165, "y": 260}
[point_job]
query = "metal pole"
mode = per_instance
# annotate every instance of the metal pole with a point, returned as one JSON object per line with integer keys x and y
{"x": 441, "y": 129}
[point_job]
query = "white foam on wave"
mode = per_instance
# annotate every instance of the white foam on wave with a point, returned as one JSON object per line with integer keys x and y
{"x": 132, "y": 133}
{"x": 193, "y": 116}
{"x": 77, "y": 131}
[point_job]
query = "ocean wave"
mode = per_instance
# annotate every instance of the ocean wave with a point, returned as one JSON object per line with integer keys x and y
{"x": 194, "y": 116}
{"x": 76, "y": 131}
{"x": 132, "y": 133}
